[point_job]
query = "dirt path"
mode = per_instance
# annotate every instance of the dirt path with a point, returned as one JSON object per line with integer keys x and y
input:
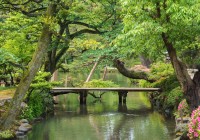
{"x": 7, "y": 93}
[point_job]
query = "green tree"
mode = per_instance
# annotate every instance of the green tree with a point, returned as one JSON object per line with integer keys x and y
{"x": 61, "y": 21}
{"x": 32, "y": 69}
{"x": 153, "y": 27}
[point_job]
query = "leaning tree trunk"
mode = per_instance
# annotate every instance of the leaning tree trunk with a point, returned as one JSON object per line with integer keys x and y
{"x": 33, "y": 67}
{"x": 190, "y": 87}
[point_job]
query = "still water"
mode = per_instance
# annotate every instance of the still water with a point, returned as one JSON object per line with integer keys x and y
{"x": 104, "y": 120}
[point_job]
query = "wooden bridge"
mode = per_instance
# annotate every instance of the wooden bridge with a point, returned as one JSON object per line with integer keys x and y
{"x": 83, "y": 92}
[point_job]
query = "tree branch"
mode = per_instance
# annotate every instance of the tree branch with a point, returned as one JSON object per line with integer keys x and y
{"x": 83, "y": 31}
{"x": 130, "y": 73}
{"x": 83, "y": 24}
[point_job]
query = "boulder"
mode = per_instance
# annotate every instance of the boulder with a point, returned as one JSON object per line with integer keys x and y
{"x": 23, "y": 129}
{"x": 24, "y": 121}
{"x": 27, "y": 125}
{"x": 19, "y": 133}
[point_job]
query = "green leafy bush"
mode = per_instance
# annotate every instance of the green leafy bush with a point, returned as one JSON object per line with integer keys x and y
{"x": 40, "y": 81}
{"x": 39, "y": 103}
{"x": 174, "y": 96}
{"x": 100, "y": 83}
{"x": 7, "y": 134}
{"x": 38, "y": 97}
{"x": 35, "y": 107}
{"x": 165, "y": 79}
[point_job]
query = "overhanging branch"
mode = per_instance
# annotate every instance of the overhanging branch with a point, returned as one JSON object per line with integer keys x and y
{"x": 131, "y": 73}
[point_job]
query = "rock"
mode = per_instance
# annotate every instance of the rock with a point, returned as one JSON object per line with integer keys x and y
{"x": 181, "y": 127}
{"x": 178, "y": 138}
{"x": 23, "y": 105}
{"x": 23, "y": 129}
{"x": 24, "y": 121}
{"x": 185, "y": 120}
{"x": 27, "y": 125}
{"x": 19, "y": 133}
{"x": 38, "y": 119}
{"x": 24, "y": 137}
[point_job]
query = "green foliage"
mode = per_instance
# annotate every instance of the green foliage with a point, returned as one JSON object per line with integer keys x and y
{"x": 165, "y": 77}
{"x": 7, "y": 134}
{"x": 161, "y": 69}
{"x": 146, "y": 21}
{"x": 99, "y": 84}
{"x": 35, "y": 106}
{"x": 38, "y": 104}
{"x": 39, "y": 100}
{"x": 27, "y": 113}
{"x": 174, "y": 96}
{"x": 40, "y": 81}
{"x": 18, "y": 36}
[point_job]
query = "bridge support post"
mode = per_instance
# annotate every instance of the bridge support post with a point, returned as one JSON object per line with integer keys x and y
{"x": 83, "y": 97}
{"x": 122, "y": 96}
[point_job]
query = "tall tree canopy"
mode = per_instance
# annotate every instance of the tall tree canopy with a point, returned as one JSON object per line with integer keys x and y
{"x": 56, "y": 23}
{"x": 153, "y": 27}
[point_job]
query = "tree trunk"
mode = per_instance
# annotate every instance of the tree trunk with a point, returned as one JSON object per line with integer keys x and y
{"x": 191, "y": 88}
{"x": 53, "y": 56}
{"x": 33, "y": 67}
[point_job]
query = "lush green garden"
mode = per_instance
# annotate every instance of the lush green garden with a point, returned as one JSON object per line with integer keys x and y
{"x": 39, "y": 37}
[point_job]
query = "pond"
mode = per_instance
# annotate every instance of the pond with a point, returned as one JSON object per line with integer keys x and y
{"x": 104, "y": 119}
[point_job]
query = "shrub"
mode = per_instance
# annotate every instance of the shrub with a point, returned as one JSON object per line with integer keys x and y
{"x": 100, "y": 83}
{"x": 174, "y": 96}
{"x": 165, "y": 78}
{"x": 39, "y": 103}
{"x": 7, "y": 134}
{"x": 183, "y": 109}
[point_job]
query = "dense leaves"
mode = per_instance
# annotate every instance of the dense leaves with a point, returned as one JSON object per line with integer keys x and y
{"x": 145, "y": 21}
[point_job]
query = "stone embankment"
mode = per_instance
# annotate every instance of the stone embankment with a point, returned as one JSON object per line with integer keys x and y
{"x": 22, "y": 128}
{"x": 181, "y": 128}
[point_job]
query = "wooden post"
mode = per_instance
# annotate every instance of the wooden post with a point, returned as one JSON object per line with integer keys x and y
{"x": 122, "y": 108}
{"x": 83, "y": 110}
{"x": 83, "y": 96}
{"x": 122, "y": 96}
{"x": 104, "y": 73}
{"x": 92, "y": 70}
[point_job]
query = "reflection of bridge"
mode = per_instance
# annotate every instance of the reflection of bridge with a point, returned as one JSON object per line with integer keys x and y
{"x": 83, "y": 92}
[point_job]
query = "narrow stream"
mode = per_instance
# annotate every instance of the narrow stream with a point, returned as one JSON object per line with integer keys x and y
{"x": 104, "y": 120}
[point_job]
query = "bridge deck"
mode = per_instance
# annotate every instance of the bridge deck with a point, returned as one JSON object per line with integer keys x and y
{"x": 68, "y": 89}
{"x": 122, "y": 92}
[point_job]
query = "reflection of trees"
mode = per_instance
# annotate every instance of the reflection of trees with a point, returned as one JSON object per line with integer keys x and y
{"x": 125, "y": 119}
{"x": 96, "y": 128}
